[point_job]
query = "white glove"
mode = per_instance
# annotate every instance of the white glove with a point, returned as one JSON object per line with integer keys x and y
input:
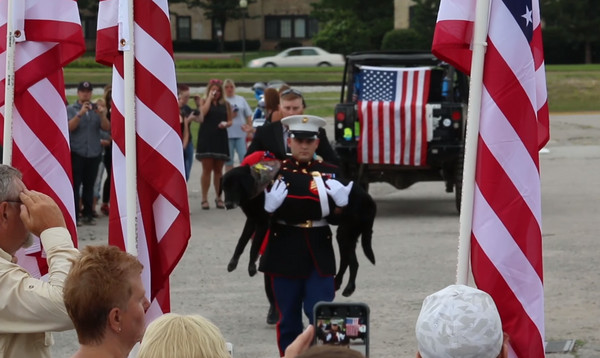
{"x": 275, "y": 197}
{"x": 338, "y": 192}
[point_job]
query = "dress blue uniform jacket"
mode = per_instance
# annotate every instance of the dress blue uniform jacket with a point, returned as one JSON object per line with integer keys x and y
{"x": 294, "y": 251}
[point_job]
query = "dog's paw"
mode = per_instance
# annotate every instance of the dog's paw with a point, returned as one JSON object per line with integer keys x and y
{"x": 349, "y": 290}
{"x": 232, "y": 265}
{"x": 252, "y": 269}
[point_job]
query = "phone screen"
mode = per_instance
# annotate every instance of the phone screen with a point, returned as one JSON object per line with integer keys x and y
{"x": 343, "y": 324}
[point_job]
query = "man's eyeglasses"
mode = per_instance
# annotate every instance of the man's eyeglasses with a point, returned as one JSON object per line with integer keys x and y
{"x": 291, "y": 91}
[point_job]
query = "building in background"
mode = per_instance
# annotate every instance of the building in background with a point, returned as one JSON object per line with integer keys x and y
{"x": 269, "y": 21}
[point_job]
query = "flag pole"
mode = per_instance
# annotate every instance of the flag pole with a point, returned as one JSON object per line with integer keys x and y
{"x": 9, "y": 86}
{"x": 471, "y": 138}
{"x": 130, "y": 134}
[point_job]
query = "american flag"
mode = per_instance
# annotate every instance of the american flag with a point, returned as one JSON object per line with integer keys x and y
{"x": 163, "y": 211}
{"x": 506, "y": 245}
{"x": 394, "y": 125}
{"x": 50, "y": 37}
{"x": 352, "y": 326}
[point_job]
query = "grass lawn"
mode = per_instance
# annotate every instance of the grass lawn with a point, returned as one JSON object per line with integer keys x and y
{"x": 571, "y": 88}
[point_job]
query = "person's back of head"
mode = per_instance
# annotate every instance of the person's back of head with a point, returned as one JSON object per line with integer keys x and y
{"x": 271, "y": 99}
{"x": 191, "y": 336}
{"x": 459, "y": 322}
{"x": 327, "y": 351}
{"x": 98, "y": 282}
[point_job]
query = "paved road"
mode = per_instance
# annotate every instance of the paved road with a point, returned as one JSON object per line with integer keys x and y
{"x": 415, "y": 244}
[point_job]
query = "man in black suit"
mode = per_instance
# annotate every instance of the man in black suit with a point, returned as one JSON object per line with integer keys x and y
{"x": 273, "y": 136}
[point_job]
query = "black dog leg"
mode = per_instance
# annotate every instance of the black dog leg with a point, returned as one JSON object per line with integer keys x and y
{"x": 241, "y": 245}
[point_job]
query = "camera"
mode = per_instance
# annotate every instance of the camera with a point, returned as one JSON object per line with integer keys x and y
{"x": 342, "y": 324}
{"x": 196, "y": 112}
{"x": 93, "y": 106}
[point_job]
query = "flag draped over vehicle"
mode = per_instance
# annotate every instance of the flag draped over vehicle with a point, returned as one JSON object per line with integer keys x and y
{"x": 163, "y": 211}
{"x": 391, "y": 111}
{"x": 506, "y": 244}
{"x": 48, "y": 36}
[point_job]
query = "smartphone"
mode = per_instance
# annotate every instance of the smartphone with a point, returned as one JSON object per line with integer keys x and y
{"x": 343, "y": 324}
{"x": 94, "y": 106}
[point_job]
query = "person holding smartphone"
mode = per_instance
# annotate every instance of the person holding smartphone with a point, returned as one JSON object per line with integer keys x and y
{"x": 241, "y": 124}
{"x": 85, "y": 126}
{"x": 212, "y": 149}
{"x": 299, "y": 256}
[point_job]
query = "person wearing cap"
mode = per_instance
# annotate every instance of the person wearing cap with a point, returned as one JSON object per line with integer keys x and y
{"x": 85, "y": 124}
{"x": 460, "y": 322}
{"x": 299, "y": 254}
{"x": 273, "y": 136}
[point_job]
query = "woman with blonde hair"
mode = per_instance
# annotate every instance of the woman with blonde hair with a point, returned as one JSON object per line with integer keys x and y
{"x": 183, "y": 336}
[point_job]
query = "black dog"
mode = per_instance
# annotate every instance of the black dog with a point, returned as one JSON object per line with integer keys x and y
{"x": 244, "y": 186}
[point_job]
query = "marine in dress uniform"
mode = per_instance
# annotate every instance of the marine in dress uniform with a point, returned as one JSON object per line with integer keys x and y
{"x": 299, "y": 256}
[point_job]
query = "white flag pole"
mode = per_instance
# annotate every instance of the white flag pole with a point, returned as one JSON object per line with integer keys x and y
{"x": 127, "y": 45}
{"x": 9, "y": 86}
{"x": 472, "y": 135}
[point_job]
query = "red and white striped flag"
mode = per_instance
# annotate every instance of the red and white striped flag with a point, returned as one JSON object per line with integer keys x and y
{"x": 50, "y": 37}
{"x": 506, "y": 236}
{"x": 163, "y": 211}
{"x": 395, "y": 128}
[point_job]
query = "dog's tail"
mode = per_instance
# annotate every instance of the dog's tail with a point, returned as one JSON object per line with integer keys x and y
{"x": 367, "y": 229}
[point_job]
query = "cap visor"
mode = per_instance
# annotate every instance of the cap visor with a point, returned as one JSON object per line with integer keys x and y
{"x": 304, "y": 135}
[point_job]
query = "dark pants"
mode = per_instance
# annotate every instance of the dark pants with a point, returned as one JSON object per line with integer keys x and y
{"x": 294, "y": 295}
{"x": 84, "y": 175}
{"x": 188, "y": 159}
{"x": 107, "y": 159}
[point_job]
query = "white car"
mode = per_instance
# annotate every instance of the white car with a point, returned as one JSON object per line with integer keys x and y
{"x": 299, "y": 57}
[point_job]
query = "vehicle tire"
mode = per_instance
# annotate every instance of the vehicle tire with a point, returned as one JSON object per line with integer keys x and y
{"x": 458, "y": 179}
{"x": 270, "y": 64}
{"x": 324, "y": 64}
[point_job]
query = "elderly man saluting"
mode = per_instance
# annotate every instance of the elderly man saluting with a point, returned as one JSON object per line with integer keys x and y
{"x": 299, "y": 255}
{"x": 30, "y": 308}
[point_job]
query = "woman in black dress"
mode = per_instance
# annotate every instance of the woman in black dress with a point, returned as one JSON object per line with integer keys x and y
{"x": 212, "y": 149}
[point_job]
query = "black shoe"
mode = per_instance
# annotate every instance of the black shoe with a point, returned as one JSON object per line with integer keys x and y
{"x": 272, "y": 315}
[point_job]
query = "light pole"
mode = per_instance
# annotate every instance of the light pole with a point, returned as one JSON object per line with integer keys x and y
{"x": 243, "y": 6}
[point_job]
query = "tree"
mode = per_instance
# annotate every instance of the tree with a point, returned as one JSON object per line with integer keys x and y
{"x": 370, "y": 19}
{"x": 424, "y": 17}
{"x": 580, "y": 19}
{"x": 344, "y": 36}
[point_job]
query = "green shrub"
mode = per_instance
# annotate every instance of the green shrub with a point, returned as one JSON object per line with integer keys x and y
{"x": 236, "y": 46}
{"x": 85, "y": 62}
{"x": 405, "y": 39}
{"x": 208, "y": 63}
{"x": 345, "y": 36}
{"x": 196, "y": 46}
